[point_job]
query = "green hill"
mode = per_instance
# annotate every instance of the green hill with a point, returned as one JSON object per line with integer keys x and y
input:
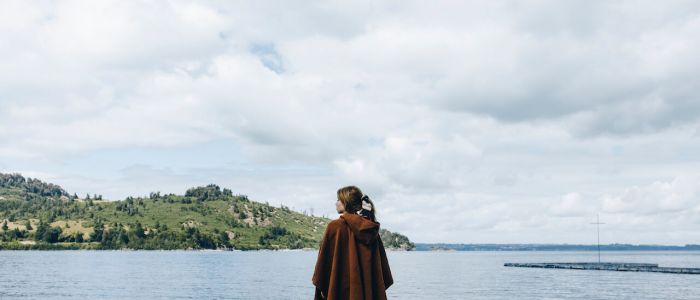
{"x": 39, "y": 215}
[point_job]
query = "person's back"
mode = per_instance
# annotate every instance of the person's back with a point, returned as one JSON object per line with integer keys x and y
{"x": 352, "y": 262}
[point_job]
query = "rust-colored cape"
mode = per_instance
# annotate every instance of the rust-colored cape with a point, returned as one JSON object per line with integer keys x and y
{"x": 351, "y": 262}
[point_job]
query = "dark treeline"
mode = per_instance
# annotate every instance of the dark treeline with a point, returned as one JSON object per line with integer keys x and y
{"x": 280, "y": 235}
{"x": 30, "y": 185}
{"x": 45, "y": 208}
{"x": 121, "y": 236}
{"x": 133, "y": 235}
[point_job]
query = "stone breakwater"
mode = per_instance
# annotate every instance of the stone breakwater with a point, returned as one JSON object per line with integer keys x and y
{"x": 622, "y": 267}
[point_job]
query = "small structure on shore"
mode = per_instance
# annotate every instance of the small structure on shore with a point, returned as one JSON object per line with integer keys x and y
{"x": 622, "y": 267}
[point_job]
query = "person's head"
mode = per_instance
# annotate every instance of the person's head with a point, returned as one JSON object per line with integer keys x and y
{"x": 350, "y": 200}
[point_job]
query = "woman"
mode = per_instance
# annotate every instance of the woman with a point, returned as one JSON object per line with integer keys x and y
{"x": 351, "y": 262}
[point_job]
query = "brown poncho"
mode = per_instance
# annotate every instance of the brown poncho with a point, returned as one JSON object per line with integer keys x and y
{"x": 351, "y": 262}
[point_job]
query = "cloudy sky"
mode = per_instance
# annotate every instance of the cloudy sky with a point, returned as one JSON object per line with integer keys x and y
{"x": 484, "y": 121}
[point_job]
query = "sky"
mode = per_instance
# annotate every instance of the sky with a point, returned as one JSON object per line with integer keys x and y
{"x": 464, "y": 121}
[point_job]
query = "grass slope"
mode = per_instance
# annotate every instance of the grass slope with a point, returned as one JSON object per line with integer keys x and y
{"x": 38, "y": 215}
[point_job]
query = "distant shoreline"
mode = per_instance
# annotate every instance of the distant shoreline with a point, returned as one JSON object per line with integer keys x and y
{"x": 550, "y": 247}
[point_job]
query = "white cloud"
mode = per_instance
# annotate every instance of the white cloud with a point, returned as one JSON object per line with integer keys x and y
{"x": 487, "y": 111}
{"x": 661, "y": 197}
{"x": 571, "y": 204}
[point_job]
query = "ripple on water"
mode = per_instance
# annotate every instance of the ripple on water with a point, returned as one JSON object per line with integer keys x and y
{"x": 287, "y": 275}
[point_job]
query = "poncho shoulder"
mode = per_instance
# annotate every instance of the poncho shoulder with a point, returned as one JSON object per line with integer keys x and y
{"x": 352, "y": 262}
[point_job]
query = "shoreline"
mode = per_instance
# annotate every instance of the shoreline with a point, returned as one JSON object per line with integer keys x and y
{"x": 27, "y": 245}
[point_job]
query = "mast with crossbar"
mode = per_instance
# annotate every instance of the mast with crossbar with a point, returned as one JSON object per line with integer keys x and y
{"x": 597, "y": 223}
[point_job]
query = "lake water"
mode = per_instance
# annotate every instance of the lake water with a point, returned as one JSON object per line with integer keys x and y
{"x": 287, "y": 275}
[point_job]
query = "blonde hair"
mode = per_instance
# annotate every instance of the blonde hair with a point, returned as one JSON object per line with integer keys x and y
{"x": 352, "y": 197}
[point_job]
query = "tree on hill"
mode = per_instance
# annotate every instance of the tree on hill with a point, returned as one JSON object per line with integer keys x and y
{"x": 17, "y": 234}
{"x": 30, "y": 185}
{"x": 78, "y": 237}
{"x": 138, "y": 230}
{"x": 224, "y": 240}
{"x": 50, "y": 235}
{"x": 123, "y": 237}
{"x": 41, "y": 230}
{"x": 154, "y": 196}
{"x": 204, "y": 193}
{"x": 395, "y": 240}
{"x": 97, "y": 232}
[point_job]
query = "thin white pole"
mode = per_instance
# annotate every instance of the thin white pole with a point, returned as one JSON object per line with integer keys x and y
{"x": 597, "y": 223}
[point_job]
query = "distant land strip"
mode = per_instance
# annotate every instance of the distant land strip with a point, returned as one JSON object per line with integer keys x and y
{"x": 550, "y": 247}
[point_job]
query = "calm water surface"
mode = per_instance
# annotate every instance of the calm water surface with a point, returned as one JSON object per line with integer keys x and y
{"x": 287, "y": 275}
